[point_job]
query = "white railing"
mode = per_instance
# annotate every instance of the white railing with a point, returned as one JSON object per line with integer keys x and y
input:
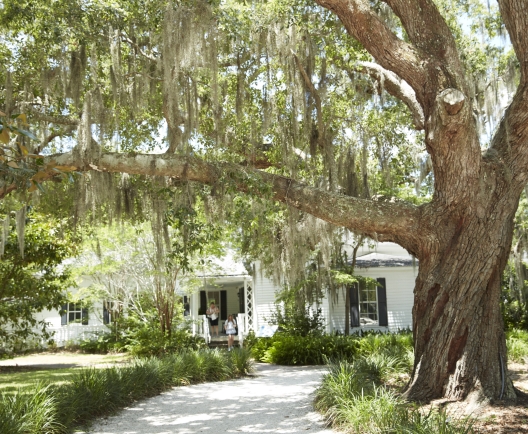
{"x": 74, "y": 334}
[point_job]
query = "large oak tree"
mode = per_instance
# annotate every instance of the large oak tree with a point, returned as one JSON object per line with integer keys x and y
{"x": 125, "y": 69}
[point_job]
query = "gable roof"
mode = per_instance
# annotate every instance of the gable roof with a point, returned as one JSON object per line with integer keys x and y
{"x": 382, "y": 260}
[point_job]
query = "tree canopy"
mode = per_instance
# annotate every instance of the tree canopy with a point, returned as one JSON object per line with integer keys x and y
{"x": 331, "y": 107}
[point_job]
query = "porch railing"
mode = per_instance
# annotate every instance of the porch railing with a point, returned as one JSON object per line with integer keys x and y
{"x": 75, "y": 334}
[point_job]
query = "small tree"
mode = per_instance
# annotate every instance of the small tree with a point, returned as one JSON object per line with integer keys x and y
{"x": 33, "y": 281}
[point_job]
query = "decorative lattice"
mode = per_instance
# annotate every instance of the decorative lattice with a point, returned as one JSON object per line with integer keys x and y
{"x": 249, "y": 305}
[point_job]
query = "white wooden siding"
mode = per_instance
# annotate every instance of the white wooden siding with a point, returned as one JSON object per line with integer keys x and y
{"x": 264, "y": 297}
{"x": 400, "y": 286}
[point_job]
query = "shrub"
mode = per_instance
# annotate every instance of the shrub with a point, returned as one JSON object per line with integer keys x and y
{"x": 100, "y": 343}
{"x": 285, "y": 349}
{"x": 309, "y": 350}
{"x": 96, "y": 392}
{"x": 298, "y": 321}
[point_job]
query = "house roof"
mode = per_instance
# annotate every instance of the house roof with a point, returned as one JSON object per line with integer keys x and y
{"x": 382, "y": 260}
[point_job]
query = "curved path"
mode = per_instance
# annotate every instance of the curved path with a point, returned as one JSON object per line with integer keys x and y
{"x": 278, "y": 399}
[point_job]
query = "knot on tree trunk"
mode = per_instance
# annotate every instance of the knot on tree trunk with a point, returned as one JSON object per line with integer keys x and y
{"x": 453, "y": 100}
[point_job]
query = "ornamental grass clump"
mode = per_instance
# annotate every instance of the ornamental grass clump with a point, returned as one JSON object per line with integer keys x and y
{"x": 51, "y": 409}
{"x": 353, "y": 398}
{"x": 517, "y": 344}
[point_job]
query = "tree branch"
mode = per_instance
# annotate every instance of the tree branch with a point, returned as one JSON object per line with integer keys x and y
{"x": 429, "y": 33}
{"x": 6, "y": 189}
{"x": 510, "y": 142}
{"x": 516, "y": 19}
{"x": 46, "y": 141}
{"x": 125, "y": 38}
{"x": 315, "y": 94}
{"x": 389, "y": 51}
{"x": 396, "y": 87}
{"x": 389, "y": 220}
{"x": 60, "y": 120}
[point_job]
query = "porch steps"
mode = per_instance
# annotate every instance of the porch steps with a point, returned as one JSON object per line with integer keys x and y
{"x": 221, "y": 342}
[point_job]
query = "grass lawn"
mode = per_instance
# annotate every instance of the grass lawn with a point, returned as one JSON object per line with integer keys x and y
{"x": 23, "y": 372}
{"x": 12, "y": 381}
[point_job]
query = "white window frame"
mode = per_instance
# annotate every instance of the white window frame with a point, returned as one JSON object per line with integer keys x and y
{"x": 75, "y": 309}
{"x": 364, "y": 316}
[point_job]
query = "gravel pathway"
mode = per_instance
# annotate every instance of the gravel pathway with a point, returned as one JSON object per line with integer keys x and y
{"x": 276, "y": 400}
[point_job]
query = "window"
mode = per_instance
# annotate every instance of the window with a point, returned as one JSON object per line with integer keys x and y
{"x": 368, "y": 304}
{"x": 74, "y": 313}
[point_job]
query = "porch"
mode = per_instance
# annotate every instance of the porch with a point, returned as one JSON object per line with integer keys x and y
{"x": 233, "y": 294}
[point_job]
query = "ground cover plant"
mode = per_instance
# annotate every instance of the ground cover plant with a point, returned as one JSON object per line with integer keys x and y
{"x": 517, "y": 343}
{"x": 354, "y": 398}
{"x": 362, "y": 392}
{"x": 51, "y": 408}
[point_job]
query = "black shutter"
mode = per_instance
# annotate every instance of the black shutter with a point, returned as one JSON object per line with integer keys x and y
{"x": 203, "y": 303}
{"x": 223, "y": 305}
{"x": 354, "y": 305}
{"x": 382, "y": 303}
{"x": 241, "y": 301}
{"x": 64, "y": 314}
{"x": 106, "y": 313}
{"x": 84, "y": 320}
{"x": 186, "y": 306}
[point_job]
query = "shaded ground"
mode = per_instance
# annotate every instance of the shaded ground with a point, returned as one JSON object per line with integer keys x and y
{"x": 500, "y": 417}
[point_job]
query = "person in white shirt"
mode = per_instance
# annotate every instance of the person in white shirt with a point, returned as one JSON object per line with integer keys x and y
{"x": 230, "y": 328}
{"x": 212, "y": 313}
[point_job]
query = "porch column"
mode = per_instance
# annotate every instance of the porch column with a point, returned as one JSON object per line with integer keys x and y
{"x": 249, "y": 300}
{"x": 326, "y": 308}
{"x": 195, "y": 305}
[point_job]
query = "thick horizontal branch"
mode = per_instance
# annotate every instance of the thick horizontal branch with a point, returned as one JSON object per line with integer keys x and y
{"x": 390, "y": 52}
{"x": 396, "y": 221}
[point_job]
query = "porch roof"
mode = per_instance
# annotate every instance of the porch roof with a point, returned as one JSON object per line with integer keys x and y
{"x": 382, "y": 260}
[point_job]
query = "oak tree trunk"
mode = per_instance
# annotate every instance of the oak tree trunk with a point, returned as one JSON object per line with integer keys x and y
{"x": 459, "y": 339}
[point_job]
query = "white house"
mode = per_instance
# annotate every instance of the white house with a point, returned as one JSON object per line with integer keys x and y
{"x": 251, "y": 297}
{"x": 387, "y": 307}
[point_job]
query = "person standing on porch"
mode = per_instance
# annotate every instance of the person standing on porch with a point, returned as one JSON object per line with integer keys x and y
{"x": 230, "y": 328}
{"x": 213, "y": 313}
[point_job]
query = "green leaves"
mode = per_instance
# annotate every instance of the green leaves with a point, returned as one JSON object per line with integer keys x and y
{"x": 34, "y": 282}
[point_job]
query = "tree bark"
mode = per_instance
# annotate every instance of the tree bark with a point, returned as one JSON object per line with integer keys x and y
{"x": 458, "y": 329}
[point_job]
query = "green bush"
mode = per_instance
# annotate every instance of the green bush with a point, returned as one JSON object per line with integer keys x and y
{"x": 298, "y": 321}
{"x": 96, "y": 392}
{"x": 142, "y": 339}
{"x": 100, "y": 343}
{"x": 286, "y": 349}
